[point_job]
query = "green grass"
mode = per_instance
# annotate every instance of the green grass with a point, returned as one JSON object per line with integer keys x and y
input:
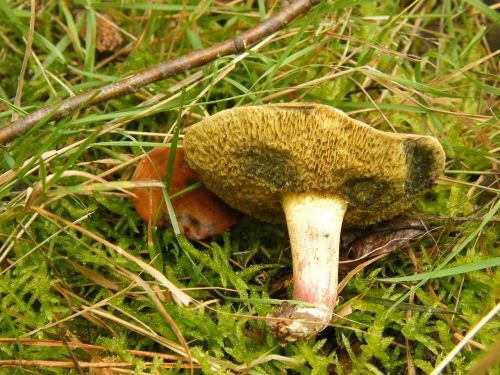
{"x": 65, "y": 218}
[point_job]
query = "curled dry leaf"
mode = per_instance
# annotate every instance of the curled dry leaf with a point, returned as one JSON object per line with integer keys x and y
{"x": 200, "y": 214}
{"x": 358, "y": 245}
{"x": 107, "y": 33}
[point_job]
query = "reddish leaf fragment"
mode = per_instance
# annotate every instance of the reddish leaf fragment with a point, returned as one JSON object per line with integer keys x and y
{"x": 200, "y": 214}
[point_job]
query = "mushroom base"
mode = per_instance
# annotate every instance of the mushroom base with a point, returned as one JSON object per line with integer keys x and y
{"x": 290, "y": 323}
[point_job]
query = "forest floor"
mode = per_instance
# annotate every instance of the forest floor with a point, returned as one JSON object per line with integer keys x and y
{"x": 71, "y": 299}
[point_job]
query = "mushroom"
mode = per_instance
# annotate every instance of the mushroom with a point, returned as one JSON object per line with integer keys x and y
{"x": 200, "y": 214}
{"x": 318, "y": 169}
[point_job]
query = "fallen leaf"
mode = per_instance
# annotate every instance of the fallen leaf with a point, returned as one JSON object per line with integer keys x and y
{"x": 358, "y": 245}
{"x": 200, "y": 213}
{"x": 107, "y": 34}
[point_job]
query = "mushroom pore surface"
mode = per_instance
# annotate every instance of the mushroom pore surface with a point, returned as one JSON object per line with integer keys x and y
{"x": 252, "y": 156}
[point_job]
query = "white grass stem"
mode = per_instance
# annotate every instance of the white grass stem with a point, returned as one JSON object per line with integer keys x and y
{"x": 472, "y": 332}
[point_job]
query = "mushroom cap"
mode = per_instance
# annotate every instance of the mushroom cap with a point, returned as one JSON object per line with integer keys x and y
{"x": 200, "y": 213}
{"x": 251, "y": 156}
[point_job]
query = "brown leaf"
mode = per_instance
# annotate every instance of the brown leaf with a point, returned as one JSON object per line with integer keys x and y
{"x": 200, "y": 213}
{"x": 107, "y": 33}
{"x": 358, "y": 245}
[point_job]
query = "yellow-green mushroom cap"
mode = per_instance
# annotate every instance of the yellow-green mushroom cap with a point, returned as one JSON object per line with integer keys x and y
{"x": 251, "y": 156}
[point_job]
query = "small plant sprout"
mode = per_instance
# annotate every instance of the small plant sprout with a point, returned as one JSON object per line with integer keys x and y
{"x": 317, "y": 169}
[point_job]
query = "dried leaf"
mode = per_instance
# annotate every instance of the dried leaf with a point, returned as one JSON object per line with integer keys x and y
{"x": 358, "y": 245}
{"x": 107, "y": 33}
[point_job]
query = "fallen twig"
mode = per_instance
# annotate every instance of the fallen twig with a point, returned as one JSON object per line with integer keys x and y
{"x": 158, "y": 72}
{"x": 94, "y": 365}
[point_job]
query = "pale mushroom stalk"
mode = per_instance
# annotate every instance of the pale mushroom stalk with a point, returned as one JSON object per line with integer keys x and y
{"x": 314, "y": 222}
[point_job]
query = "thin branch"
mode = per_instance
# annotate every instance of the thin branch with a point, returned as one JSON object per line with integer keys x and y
{"x": 158, "y": 72}
{"x": 89, "y": 365}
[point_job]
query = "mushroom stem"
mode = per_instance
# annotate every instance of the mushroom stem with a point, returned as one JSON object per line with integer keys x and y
{"x": 314, "y": 222}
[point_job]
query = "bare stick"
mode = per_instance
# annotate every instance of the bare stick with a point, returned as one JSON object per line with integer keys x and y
{"x": 158, "y": 72}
